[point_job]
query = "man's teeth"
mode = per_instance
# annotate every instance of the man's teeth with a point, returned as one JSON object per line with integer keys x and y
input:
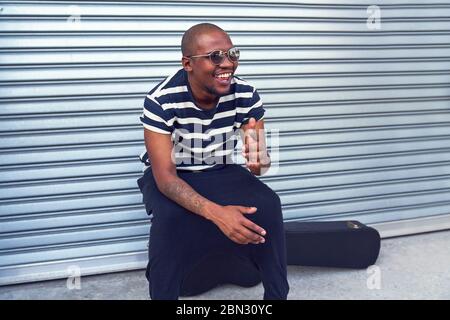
{"x": 224, "y": 75}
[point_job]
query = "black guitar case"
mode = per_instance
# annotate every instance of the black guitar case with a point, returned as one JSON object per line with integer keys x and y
{"x": 341, "y": 244}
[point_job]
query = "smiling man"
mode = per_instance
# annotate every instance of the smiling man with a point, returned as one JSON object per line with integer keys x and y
{"x": 203, "y": 205}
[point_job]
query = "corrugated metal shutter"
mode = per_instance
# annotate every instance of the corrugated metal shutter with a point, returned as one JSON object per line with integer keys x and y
{"x": 364, "y": 118}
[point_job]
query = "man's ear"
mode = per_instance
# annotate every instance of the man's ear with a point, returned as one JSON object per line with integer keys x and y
{"x": 186, "y": 62}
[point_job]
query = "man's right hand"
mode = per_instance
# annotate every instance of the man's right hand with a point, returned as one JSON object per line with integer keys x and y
{"x": 232, "y": 222}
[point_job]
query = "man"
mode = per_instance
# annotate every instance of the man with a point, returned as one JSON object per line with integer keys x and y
{"x": 202, "y": 203}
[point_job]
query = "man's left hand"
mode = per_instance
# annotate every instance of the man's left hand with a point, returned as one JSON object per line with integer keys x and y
{"x": 254, "y": 149}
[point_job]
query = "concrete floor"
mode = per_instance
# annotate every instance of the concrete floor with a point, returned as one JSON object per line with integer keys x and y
{"x": 411, "y": 267}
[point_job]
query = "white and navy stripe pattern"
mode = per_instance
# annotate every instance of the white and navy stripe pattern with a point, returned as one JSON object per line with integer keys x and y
{"x": 203, "y": 139}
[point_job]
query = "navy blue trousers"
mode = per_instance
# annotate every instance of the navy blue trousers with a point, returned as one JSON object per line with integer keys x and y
{"x": 180, "y": 240}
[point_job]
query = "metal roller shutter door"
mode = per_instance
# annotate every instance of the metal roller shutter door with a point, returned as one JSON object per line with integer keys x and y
{"x": 364, "y": 118}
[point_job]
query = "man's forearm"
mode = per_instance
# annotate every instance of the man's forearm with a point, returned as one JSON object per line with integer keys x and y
{"x": 182, "y": 193}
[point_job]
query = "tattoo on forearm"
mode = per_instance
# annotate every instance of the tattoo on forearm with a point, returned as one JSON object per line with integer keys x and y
{"x": 183, "y": 194}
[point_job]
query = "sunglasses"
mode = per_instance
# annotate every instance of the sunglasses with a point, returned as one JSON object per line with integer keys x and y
{"x": 218, "y": 56}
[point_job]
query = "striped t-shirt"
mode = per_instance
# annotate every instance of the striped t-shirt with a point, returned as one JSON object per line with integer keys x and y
{"x": 202, "y": 139}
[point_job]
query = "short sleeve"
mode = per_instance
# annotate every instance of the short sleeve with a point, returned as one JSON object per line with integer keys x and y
{"x": 255, "y": 110}
{"x": 155, "y": 118}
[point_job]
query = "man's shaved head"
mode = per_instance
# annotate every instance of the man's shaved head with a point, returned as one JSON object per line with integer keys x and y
{"x": 208, "y": 80}
{"x": 189, "y": 41}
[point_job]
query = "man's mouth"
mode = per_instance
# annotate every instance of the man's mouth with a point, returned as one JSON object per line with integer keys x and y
{"x": 224, "y": 78}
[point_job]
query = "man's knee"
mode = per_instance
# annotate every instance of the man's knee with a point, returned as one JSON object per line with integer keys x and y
{"x": 268, "y": 214}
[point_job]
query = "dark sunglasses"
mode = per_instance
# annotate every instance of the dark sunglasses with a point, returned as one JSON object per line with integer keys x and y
{"x": 218, "y": 56}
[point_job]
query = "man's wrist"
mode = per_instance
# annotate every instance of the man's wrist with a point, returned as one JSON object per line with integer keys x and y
{"x": 210, "y": 210}
{"x": 265, "y": 160}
